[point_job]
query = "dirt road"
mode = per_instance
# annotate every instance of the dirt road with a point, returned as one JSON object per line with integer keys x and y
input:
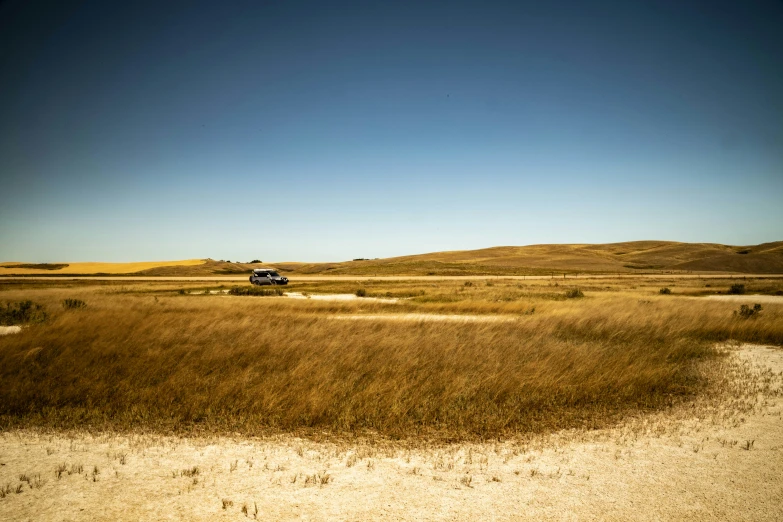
{"x": 725, "y": 465}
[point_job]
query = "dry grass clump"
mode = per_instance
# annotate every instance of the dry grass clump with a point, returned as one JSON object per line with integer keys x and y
{"x": 255, "y": 291}
{"x": 22, "y": 312}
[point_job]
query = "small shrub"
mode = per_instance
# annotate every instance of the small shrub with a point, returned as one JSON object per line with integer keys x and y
{"x": 574, "y": 293}
{"x": 747, "y": 312}
{"x": 665, "y": 291}
{"x": 256, "y": 261}
{"x": 74, "y": 304}
{"x": 255, "y": 291}
{"x": 468, "y": 283}
{"x": 22, "y": 312}
{"x": 361, "y": 292}
{"x": 737, "y": 289}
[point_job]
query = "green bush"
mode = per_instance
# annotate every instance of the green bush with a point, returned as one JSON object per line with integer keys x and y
{"x": 664, "y": 291}
{"x": 737, "y": 289}
{"x": 22, "y": 312}
{"x": 574, "y": 293}
{"x": 256, "y": 261}
{"x": 361, "y": 292}
{"x": 73, "y": 304}
{"x": 255, "y": 291}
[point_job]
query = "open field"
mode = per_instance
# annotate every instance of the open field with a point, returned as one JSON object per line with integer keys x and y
{"x": 449, "y": 399}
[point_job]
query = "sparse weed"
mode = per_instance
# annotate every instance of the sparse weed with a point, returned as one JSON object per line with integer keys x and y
{"x": 574, "y": 293}
{"x": 190, "y": 472}
{"x": 73, "y": 304}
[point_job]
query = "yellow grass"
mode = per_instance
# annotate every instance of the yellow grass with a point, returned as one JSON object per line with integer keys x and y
{"x": 147, "y": 357}
{"x": 97, "y": 268}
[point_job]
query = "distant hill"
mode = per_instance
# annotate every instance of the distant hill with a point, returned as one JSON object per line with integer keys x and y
{"x": 9, "y": 268}
{"x": 630, "y": 257}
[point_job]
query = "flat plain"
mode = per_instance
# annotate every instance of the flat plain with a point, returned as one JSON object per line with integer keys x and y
{"x": 495, "y": 398}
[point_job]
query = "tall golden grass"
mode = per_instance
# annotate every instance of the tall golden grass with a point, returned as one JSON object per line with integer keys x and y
{"x": 257, "y": 365}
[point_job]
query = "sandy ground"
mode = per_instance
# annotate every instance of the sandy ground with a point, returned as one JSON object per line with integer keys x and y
{"x": 339, "y": 297}
{"x": 762, "y": 299}
{"x": 682, "y": 465}
{"x": 5, "y": 330}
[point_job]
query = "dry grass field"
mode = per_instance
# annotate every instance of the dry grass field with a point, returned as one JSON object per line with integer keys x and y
{"x": 537, "y": 386}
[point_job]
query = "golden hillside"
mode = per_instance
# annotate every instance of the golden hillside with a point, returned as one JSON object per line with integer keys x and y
{"x": 9, "y": 268}
{"x": 629, "y": 257}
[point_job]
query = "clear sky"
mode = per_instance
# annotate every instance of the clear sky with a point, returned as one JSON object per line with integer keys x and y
{"x": 317, "y": 131}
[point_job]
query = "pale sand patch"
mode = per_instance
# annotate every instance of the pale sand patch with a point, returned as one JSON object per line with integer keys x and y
{"x": 670, "y": 466}
{"x": 428, "y": 317}
{"x": 339, "y": 297}
{"x": 5, "y": 330}
{"x": 757, "y": 298}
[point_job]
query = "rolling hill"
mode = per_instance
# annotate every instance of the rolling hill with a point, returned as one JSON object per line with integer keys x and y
{"x": 629, "y": 257}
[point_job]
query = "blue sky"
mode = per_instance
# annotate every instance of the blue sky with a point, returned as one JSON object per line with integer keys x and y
{"x": 317, "y": 131}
